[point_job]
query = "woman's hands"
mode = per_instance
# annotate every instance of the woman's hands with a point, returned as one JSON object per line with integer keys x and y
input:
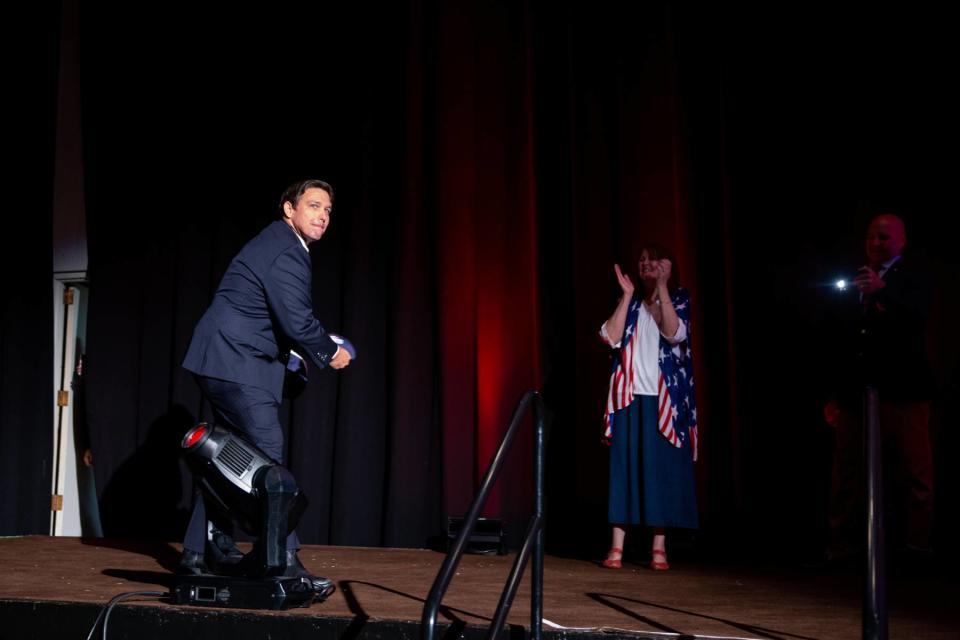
{"x": 626, "y": 284}
{"x": 657, "y": 270}
{"x": 612, "y": 329}
{"x": 664, "y": 314}
{"x": 662, "y": 270}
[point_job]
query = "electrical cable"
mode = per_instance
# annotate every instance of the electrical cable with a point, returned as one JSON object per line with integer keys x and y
{"x": 105, "y": 612}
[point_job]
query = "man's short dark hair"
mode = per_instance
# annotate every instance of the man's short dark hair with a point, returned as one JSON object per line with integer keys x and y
{"x": 294, "y": 192}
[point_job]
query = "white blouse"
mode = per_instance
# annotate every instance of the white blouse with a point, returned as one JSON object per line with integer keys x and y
{"x": 646, "y": 355}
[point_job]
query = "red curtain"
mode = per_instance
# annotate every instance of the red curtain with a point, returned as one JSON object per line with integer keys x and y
{"x": 486, "y": 234}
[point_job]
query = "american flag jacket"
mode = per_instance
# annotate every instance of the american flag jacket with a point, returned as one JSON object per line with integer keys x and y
{"x": 677, "y": 402}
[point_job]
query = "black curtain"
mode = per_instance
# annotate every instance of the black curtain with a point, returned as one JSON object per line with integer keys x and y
{"x": 840, "y": 115}
{"x": 425, "y": 120}
{"x": 26, "y": 309}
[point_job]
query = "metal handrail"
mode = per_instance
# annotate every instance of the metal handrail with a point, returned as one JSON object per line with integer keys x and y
{"x": 532, "y": 543}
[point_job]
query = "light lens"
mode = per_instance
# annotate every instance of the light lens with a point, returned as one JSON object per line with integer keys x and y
{"x": 194, "y": 436}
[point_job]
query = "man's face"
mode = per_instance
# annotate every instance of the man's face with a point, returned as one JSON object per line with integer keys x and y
{"x": 311, "y": 216}
{"x": 885, "y": 238}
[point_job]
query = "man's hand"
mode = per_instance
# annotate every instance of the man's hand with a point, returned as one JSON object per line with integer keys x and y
{"x": 341, "y": 359}
{"x": 868, "y": 282}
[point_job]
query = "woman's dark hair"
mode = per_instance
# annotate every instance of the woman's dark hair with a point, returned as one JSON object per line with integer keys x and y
{"x": 297, "y": 189}
{"x": 657, "y": 251}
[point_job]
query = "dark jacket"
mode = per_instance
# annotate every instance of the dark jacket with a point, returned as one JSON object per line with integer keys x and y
{"x": 262, "y": 305}
{"x": 880, "y": 340}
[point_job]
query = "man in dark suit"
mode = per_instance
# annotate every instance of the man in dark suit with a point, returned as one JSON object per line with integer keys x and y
{"x": 881, "y": 342}
{"x": 263, "y": 304}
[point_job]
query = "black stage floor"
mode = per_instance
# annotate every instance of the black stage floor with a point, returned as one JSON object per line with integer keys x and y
{"x": 55, "y": 588}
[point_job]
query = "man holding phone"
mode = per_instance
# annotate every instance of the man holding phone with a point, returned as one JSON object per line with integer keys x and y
{"x": 880, "y": 338}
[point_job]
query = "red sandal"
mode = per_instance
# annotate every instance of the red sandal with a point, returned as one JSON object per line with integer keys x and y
{"x": 610, "y": 563}
{"x": 657, "y": 565}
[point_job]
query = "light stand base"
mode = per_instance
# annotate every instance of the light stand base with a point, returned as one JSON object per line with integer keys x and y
{"x": 246, "y": 593}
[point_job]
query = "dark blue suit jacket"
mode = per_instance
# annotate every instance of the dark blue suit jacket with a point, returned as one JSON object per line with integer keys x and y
{"x": 881, "y": 341}
{"x": 263, "y": 303}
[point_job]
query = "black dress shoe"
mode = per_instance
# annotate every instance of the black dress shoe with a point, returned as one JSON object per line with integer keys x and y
{"x": 191, "y": 564}
{"x": 322, "y": 588}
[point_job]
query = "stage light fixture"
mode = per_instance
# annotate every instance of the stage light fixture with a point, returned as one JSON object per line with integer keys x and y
{"x": 242, "y": 483}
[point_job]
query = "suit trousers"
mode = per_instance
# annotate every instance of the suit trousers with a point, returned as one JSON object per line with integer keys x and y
{"x": 249, "y": 409}
{"x": 905, "y": 446}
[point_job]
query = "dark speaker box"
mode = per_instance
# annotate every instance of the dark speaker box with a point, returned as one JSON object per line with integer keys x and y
{"x": 488, "y": 536}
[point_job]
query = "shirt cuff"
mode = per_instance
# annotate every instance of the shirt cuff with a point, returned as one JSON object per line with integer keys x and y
{"x": 606, "y": 337}
{"x": 679, "y": 336}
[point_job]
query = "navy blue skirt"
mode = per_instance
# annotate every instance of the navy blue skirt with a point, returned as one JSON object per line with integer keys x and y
{"x": 651, "y": 481}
